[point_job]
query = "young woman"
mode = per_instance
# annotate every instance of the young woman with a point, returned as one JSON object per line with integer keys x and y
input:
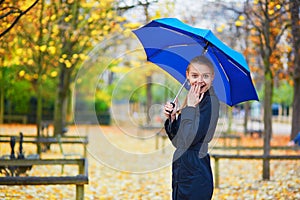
{"x": 191, "y": 131}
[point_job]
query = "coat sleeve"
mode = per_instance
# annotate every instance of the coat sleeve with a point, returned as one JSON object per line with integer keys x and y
{"x": 189, "y": 124}
{"x": 182, "y": 136}
{"x": 209, "y": 114}
{"x": 172, "y": 128}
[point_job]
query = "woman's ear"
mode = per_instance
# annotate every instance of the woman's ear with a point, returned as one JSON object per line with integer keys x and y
{"x": 187, "y": 75}
{"x": 213, "y": 76}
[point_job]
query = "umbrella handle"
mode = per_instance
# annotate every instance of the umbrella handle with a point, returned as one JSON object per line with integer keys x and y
{"x": 170, "y": 118}
{"x": 170, "y": 111}
{"x": 173, "y": 104}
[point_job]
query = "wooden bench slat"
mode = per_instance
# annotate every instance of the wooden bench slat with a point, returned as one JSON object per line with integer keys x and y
{"x": 255, "y": 147}
{"x": 218, "y": 156}
{"x": 24, "y": 162}
{"x": 79, "y": 180}
{"x": 36, "y": 180}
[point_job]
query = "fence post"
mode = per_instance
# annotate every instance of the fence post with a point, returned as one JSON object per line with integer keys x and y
{"x": 238, "y": 141}
{"x": 216, "y": 172}
{"x": 79, "y": 192}
{"x": 156, "y": 140}
{"x": 84, "y": 150}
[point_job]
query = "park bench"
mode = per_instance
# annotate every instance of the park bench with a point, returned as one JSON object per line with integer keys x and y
{"x": 227, "y": 141}
{"x": 255, "y": 148}
{"x": 79, "y": 180}
{"x": 218, "y": 157}
{"x": 60, "y": 140}
{"x": 256, "y": 128}
{"x": 15, "y": 118}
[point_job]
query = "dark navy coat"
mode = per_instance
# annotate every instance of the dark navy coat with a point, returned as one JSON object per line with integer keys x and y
{"x": 190, "y": 133}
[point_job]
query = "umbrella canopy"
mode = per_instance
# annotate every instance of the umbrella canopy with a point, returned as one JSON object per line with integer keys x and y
{"x": 171, "y": 44}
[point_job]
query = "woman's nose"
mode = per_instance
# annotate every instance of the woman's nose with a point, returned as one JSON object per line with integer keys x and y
{"x": 200, "y": 78}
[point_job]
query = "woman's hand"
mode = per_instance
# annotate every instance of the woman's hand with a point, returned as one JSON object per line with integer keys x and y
{"x": 194, "y": 96}
{"x": 170, "y": 111}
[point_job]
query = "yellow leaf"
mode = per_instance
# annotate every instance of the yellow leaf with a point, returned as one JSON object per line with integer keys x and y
{"x": 30, "y": 62}
{"x": 219, "y": 29}
{"x": 241, "y": 17}
{"x": 82, "y": 56}
{"x": 80, "y": 17}
{"x": 53, "y": 17}
{"x": 68, "y": 64}
{"x": 54, "y": 74}
{"x": 75, "y": 56}
{"x": 35, "y": 76}
{"x": 120, "y": 19}
{"x": 278, "y": 7}
{"x": 109, "y": 15}
{"x": 238, "y": 23}
{"x": 67, "y": 19}
{"x": 132, "y": 25}
{"x": 106, "y": 27}
{"x": 43, "y": 48}
{"x": 52, "y": 50}
{"x": 21, "y": 73}
{"x": 19, "y": 51}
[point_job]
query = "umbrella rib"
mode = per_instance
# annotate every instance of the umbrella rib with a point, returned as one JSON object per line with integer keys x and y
{"x": 223, "y": 69}
{"x": 221, "y": 65}
{"x": 238, "y": 67}
{"x": 170, "y": 46}
{"x": 171, "y": 30}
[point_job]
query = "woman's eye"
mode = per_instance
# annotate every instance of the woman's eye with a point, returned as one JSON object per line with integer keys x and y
{"x": 206, "y": 76}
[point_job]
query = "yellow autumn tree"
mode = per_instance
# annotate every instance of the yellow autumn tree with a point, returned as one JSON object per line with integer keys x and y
{"x": 10, "y": 13}
{"x": 56, "y": 38}
{"x": 268, "y": 21}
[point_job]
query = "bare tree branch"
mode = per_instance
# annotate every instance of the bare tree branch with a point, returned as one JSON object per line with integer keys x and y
{"x": 280, "y": 34}
{"x": 17, "y": 18}
{"x": 139, "y": 3}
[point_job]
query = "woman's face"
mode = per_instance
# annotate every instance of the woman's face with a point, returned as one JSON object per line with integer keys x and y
{"x": 200, "y": 74}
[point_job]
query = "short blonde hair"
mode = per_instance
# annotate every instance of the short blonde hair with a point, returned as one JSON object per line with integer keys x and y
{"x": 202, "y": 60}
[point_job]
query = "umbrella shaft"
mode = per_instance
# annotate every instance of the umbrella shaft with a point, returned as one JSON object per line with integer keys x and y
{"x": 179, "y": 91}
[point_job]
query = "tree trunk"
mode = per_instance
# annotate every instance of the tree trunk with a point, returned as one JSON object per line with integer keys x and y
{"x": 246, "y": 116}
{"x": 39, "y": 110}
{"x": 149, "y": 98}
{"x": 61, "y": 100}
{"x": 267, "y": 120}
{"x": 1, "y": 95}
{"x": 39, "y": 80}
{"x": 229, "y": 113}
{"x": 149, "y": 77}
{"x": 58, "y": 110}
{"x": 296, "y": 42}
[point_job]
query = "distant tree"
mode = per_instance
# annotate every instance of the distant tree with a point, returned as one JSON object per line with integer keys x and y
{"x": 10, "y": 14}
{"x": 147, "y": 15}
{"x": 80, "y": 25}
{"x": 295, "y": 21}
{"x": 269, "y": 21}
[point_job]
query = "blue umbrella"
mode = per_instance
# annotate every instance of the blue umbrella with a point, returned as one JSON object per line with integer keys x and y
{"x": 171, "y": 44}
